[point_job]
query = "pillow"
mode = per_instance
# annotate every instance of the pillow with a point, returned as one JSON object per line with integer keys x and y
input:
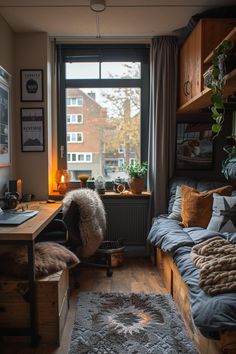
{"x": 197, "y": 206}
{"x": 224, "y": 214}
{"x": 176, "y": 209}
{"x": 50, "y": 257}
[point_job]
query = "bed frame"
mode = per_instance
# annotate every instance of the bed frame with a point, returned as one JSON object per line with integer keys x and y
{"x": 179, "y": 290}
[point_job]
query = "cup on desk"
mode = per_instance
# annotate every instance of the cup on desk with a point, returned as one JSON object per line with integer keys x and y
{"x": 26, "y": 198}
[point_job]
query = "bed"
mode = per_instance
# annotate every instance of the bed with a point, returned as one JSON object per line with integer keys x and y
{"x": 211, "y": 320}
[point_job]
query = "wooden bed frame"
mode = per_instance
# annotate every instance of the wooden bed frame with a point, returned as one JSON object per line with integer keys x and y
{"x": 179, "y": 291}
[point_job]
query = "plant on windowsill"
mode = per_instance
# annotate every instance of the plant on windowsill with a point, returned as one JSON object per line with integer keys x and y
{"x": 136, "y": 171}
{"x": 217, "y": 84}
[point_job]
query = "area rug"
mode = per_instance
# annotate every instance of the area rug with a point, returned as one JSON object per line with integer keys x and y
{"x": 116, "y": 323}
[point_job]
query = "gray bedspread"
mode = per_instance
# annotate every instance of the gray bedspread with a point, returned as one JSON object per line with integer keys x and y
{"x": 211, "y": 314}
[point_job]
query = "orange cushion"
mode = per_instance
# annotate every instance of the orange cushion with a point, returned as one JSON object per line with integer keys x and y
{"x": 196, "y": 208}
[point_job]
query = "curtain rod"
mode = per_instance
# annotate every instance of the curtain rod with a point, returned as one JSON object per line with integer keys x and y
{"x": 112, "y": 39}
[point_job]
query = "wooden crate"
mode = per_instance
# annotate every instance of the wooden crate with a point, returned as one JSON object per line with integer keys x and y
{"x": 52, "y": 305}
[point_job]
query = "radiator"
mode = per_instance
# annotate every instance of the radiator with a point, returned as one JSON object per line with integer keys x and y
{"x": 127, "y": 219}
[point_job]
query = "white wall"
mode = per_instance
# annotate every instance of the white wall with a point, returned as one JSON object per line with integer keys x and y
{"x": 32, "y": 167}
{"x": 7, "y": 61}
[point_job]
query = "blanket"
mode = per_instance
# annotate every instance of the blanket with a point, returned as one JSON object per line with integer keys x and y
{"x": 92, "y": 220}
{"x": 216, "y": 259}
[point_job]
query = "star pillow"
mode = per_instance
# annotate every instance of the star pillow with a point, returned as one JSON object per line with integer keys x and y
{"x": 223, "y": 215}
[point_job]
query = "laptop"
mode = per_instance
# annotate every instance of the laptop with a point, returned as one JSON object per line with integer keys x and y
{"x": 14, "y": 218}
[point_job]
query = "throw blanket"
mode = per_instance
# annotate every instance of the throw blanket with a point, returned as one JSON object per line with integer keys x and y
{"x": 92, "y": 220}
{"x": 216, "y": 259}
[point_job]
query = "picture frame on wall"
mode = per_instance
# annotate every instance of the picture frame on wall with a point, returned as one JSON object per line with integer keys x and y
{"x": 194, "y": 146}
{"x": 32, "y": 129}
{"x": 5, "y": 150}
{"x": 31, "y": 85}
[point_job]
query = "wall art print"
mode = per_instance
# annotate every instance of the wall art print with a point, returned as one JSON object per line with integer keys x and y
{"x": 194, "y": 146}
{"x": 32, "y": 129}
{"x": 31, "y": 85}
{"x": 4, "y": 117}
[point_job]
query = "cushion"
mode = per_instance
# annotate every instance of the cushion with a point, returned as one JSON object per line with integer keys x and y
{"x": 224, "y": 214}
{"x": 50, "y": 258}
{"x": 197, "y": 206}
{"x": 176, "y": 209}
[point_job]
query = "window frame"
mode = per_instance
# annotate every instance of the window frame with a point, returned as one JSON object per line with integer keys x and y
{"x": 108, "y": 53}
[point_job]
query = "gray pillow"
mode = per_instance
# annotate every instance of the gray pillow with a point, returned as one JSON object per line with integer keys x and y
{"x": 223, "y": 215}
{"x": 176, "y": 209}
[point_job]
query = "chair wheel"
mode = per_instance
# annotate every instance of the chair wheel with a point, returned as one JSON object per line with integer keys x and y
{"x": 109, "y": 272}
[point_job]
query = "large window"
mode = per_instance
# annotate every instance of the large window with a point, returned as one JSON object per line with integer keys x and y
{"x": 104, "y": 88}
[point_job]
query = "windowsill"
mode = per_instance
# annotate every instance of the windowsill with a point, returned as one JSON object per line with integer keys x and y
{"x": 57, "y": 196}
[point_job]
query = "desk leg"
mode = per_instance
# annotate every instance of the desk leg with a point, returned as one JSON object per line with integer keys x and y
{"x": 32, "y": 295}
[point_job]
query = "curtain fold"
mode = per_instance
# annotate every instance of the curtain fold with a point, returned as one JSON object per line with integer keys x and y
{"x": 162, "y": 122}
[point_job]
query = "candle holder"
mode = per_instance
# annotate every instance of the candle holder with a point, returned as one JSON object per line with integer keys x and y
{"x": 62, "y": 180}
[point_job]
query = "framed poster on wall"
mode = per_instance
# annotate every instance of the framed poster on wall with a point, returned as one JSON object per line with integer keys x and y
{"x": 32, "y": 129}
{"x": 194, "y": 146}
{"x": 31, "y": 85}
{"x": 4, "y": 117}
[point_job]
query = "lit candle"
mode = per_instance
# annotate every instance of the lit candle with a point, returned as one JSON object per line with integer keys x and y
{"x": 234, "y": 123}
{"x": 62, "y": 179}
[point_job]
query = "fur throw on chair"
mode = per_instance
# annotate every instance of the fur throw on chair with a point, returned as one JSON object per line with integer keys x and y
{"x": 92, "y": 219}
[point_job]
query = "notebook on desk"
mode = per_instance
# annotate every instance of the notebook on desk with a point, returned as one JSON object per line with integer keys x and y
{"x": 14, "y": 218}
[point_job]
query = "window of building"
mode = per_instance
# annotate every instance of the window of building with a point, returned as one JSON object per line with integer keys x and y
{"x": 74, "y": 101}
{"x": 74, "y": 118}
{"x": 112, "y": 83}
{"x": 121, "y": 149}
{"x": 75, "y": 137}
{"x": 85, "y": 157}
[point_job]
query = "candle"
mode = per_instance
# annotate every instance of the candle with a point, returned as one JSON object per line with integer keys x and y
{"x": 234, "y": 123}
{"x": 62, "y": 179}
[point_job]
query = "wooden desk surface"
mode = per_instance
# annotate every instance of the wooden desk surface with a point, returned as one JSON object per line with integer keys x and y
{"x": 29, "y": 229}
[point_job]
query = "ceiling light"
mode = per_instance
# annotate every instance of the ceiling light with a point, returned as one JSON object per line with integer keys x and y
{"x": 98, "y": 5}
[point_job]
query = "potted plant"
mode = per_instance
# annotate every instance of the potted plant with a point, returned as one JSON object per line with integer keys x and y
{"x": 137, "y": 171}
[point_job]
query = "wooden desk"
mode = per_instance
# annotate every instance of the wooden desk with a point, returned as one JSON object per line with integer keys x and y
{"x": 25, "y": 234}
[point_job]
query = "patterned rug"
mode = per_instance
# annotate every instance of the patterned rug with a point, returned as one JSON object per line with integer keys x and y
{"x": 116, "y": 323}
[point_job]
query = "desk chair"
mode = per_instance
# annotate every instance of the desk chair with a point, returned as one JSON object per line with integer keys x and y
{"x": 67, "y": 228}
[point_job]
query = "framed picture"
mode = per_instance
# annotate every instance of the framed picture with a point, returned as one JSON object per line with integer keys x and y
{"x": 4, "y": 117}
{"x": 32, "y": 129}
{"x": 31, "y": 85}
{"x": 194, "y": 146}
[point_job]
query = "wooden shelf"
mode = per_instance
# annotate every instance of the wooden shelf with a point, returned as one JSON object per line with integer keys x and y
{"x": 231, "y": 37}
{"x": 203, "y": 100}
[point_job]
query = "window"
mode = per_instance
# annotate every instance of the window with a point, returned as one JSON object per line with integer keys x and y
{"x": 74, "y": 118}
{"x": 74, "y": 137}
{"x": 121, "y": 149}
{"x": 109, "y": 85}
{"x": 74, "y": 101}
{"x": 85, "y": 157}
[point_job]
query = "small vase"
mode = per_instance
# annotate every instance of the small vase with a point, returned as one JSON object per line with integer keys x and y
{"x": 136, "y": 185}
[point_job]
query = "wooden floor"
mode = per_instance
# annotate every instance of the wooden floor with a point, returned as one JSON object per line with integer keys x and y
{"x": 136, "y": 275}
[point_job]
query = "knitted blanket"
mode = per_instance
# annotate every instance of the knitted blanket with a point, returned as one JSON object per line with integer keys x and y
{"x": 216, "y": 259}
{"x": 92, "y": 220}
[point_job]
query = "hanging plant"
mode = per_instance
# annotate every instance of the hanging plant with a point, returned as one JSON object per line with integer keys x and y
{"x": 218, "y": 83}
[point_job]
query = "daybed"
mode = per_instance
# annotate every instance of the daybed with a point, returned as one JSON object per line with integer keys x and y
{"x": 211, "y": 320}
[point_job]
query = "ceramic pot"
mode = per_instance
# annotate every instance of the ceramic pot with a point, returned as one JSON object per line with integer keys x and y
{"x": 136, "y": 185}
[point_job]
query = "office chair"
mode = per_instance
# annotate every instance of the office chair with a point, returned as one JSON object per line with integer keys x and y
{"x": 70, "y": 228}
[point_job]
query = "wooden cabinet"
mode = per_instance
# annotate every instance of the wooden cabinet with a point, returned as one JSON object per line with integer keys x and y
{"x": 192, "y": 64}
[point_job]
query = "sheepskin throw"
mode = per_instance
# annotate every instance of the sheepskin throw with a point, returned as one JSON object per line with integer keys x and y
{"x": 216, "y": 259}
{"x": 91, "y": 220}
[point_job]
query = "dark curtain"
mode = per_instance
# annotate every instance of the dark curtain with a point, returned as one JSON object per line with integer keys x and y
{"x": 162, "y": 126}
